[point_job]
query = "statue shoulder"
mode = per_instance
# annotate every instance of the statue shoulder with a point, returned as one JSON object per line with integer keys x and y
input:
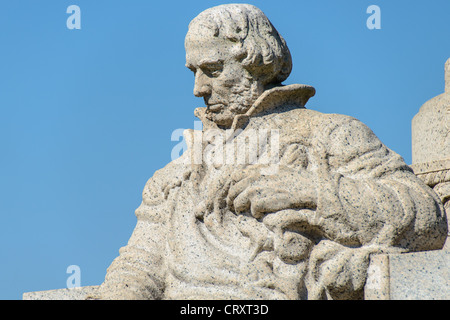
{"x": 343, "y": 137}
{"x": 323, "y": 126}
{"x": 154, "y": 195}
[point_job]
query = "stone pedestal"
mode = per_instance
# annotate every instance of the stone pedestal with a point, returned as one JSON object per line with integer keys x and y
{"x": 410, "y": 276}
{"x": 61, "y": 294}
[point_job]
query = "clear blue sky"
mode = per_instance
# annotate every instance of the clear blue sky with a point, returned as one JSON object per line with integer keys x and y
{"x": 87, "y": 115}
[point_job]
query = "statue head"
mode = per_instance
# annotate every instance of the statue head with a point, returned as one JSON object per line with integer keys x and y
{"x": 235, "y": 54}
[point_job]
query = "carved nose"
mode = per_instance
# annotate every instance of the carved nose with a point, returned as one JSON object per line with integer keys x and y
{"x": 201, "y": 86}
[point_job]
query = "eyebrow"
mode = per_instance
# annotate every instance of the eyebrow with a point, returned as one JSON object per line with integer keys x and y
{"x": 204, "y": 63}
{"x": 209, "y": 61}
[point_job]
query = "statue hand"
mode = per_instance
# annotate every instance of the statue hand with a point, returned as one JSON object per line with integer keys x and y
{"x": 251, "y": 191}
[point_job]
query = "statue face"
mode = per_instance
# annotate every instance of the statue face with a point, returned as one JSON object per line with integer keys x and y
{"x": 225, "y": 85}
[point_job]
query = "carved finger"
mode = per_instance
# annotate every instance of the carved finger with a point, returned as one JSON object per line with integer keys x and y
{"x": 289, "y": 217}
{"x": 243, "y": 201}
{"x": 239, "y": 187}
{"x": 273, "y": 203}
{"x": 251, "y": 171}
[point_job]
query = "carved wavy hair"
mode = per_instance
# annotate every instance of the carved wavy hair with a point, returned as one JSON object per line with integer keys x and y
{"x": 264, "y": 52}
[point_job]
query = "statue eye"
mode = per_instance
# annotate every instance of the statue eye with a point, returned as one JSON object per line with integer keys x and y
{"x": 212, "y": 70}
{"x": 216, "y": 73}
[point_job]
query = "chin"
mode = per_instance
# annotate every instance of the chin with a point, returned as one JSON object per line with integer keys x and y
{"x": 222, "y": 119}
{"x": 225, "y": 117}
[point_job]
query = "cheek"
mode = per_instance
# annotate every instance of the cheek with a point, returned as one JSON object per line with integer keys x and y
{"x": 223, "y": 86}
{"x": 231, "y": 85}
{"x": 232, "y": 76}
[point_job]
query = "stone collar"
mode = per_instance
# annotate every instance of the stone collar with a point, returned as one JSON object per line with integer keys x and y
{"x": 296, "y": 95}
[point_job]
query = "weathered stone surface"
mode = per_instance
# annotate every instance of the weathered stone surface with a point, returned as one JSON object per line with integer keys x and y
{"x": 409, "y": 276}
{"x": 296, "y": 215}
{"x": 378, "y": 283}
{"x": 271, "y": 200}
{"x": 61, "y": 294}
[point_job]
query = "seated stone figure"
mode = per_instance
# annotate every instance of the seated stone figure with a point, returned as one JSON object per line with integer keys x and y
{"x": 301, "y": 227}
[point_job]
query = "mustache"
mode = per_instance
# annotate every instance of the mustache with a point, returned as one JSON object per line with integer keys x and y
{"x": 215, "y": 108}
{"x": 241, "y": 97}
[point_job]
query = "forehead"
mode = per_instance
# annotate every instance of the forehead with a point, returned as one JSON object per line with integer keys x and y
{"x": 202, "y": 45}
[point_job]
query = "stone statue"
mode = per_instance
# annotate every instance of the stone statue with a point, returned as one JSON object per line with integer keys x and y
{"x": 294, "y": 216}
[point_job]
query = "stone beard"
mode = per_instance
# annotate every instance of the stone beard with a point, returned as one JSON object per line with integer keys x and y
{"x": 240, "y": 231}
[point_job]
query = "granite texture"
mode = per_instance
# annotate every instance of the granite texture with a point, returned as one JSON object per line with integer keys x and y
{"x": 296, "y": 215}
{"x": 271, "y": 200}
{"x": 61, "y": 294}
{"x": 410, "y": 276}
{"x": 377, "y": 285}
{"x": 421, "y": 275}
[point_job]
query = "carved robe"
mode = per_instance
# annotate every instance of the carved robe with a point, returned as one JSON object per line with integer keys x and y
{"x": 368, "y": 201}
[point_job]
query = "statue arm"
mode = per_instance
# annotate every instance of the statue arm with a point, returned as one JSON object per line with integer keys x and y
{"x": 368, "y": 201}
{"x": 138, "y": 272}
{"x": 374, "y": 197}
